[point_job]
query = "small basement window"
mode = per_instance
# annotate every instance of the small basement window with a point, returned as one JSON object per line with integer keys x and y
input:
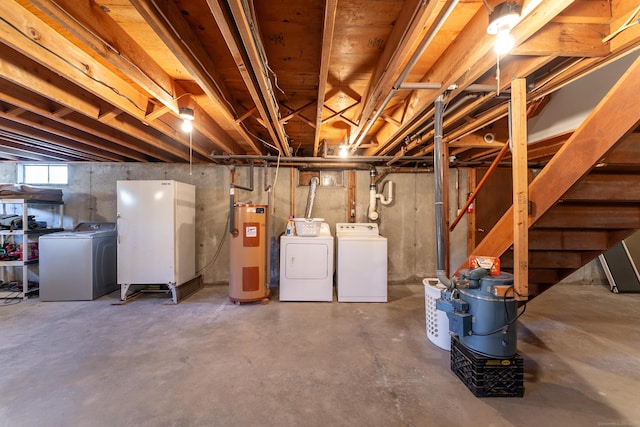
{"x": 55, "y": 174}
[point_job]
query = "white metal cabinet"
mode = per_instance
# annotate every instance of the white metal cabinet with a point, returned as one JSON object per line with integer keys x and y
{"x": 156, "y": 233}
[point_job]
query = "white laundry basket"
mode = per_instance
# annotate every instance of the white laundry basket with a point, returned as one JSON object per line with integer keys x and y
{"x": 437, "y": 322}
{"x": 308, "y": 227}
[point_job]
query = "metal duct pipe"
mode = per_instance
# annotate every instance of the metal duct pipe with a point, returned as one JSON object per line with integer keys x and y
{"x": 313, "y": 186}
{"x": 441, "y": 227}
{"x": 436, "y": 86}
{"x": 337, "y": 160}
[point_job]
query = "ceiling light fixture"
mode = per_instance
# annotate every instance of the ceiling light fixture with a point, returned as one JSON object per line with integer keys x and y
{"x": 344, "y": 151}
{"x": 501, "y": 20}
{"x": 186, "y": 113}
{"x": 187, "y": 116}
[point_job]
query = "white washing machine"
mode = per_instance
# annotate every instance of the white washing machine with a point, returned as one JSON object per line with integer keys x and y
{"x": 306, "y": 267}
{"x": 78, "y": 265}
{"x": 362, "y": 263}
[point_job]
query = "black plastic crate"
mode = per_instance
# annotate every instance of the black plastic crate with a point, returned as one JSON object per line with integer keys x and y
{"x": 486, "y": 376}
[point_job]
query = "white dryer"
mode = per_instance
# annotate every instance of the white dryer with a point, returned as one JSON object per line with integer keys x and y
{"x": 306, "y": 267}
{"x": 361, "y": 272}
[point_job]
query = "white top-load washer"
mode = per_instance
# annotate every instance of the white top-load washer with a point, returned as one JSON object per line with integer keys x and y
{"x": 361, "y": 272}
{"x": 306, "y": 267}
{"x": 78, "y": 265}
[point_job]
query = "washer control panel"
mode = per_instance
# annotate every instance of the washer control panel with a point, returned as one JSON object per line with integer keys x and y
{"x": 357, "y": 229}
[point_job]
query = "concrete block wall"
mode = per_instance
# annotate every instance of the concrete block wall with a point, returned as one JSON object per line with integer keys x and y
{"x": 408, "y": 223}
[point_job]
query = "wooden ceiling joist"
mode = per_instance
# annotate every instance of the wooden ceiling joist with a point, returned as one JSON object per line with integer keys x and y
{"x": 371, "y": 73}
{"x": 164, "y": 17}
{"x": 328, "y": 29}
{"x": 256, "y": 80}
{"x": 122, "y": 134}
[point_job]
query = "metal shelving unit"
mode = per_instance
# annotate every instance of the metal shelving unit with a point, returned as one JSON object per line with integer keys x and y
{"x": 23, "y": 235}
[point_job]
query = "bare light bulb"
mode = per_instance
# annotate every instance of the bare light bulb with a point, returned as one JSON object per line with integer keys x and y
{"x": 187, "y": 125}
{"x": 504, "y": 43}
{"x": 344, "y": 151}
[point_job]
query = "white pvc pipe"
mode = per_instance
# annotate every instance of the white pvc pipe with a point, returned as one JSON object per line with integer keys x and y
{"x": 373, "y": 215}
{"x": 386, "y": 201}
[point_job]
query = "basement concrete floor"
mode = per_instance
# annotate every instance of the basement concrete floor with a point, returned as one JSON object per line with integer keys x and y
{"x": 208, "y": 362}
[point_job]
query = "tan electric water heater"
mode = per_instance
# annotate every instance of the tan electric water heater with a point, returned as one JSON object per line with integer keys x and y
{"x": 248, "y": 258}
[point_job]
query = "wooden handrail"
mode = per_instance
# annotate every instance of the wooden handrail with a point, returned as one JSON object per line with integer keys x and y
{"x": 484, "y": 179}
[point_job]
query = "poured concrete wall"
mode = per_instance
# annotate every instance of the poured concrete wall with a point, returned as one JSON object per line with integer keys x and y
{"x": 408, "y": 223}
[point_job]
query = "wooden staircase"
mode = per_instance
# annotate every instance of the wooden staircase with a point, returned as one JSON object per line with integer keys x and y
{"x": 586, "y": 199}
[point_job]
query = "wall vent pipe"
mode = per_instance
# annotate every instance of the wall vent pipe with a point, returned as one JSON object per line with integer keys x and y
{"x": 313, "y": 187}
{"x": 441, "y": 226}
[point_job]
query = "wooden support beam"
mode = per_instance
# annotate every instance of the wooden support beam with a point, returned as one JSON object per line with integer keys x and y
{"x": 157, "y": 113}
{"x": 475, "y": 141}
{"x": 256, "y": 71}
{"x": 566, "y": 39}
{"x": 520, "y": 187}
{"x": 127, "y": 136}
{"x": 72, "y": 138}
{"x": 339, "y": 114}
{"x": 246, "y": 114}
{"x": 62, "y": 112}
{"x": 26, "y": 147}
{"x": 328, "y": 28}
{"x": 39, "y": 42}
{"x": 165, "y": 18}
{"x": 617, "y": 114}
{"x": 297, "y": 113}
{"x": 463, "y": 67}
{"x": 418, "y": 21}
{"x": 101, "y": 34}
{"x": 389, "y": 119}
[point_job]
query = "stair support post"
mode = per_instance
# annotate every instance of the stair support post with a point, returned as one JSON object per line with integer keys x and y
{"x": 518, "y": 130}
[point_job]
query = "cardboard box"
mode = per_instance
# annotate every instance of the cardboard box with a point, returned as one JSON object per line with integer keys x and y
{"x": 491, "y": 263}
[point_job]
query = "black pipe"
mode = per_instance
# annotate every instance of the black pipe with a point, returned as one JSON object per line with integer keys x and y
{"x": 232, "y": 206}
{"x": 250, "y": 187}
